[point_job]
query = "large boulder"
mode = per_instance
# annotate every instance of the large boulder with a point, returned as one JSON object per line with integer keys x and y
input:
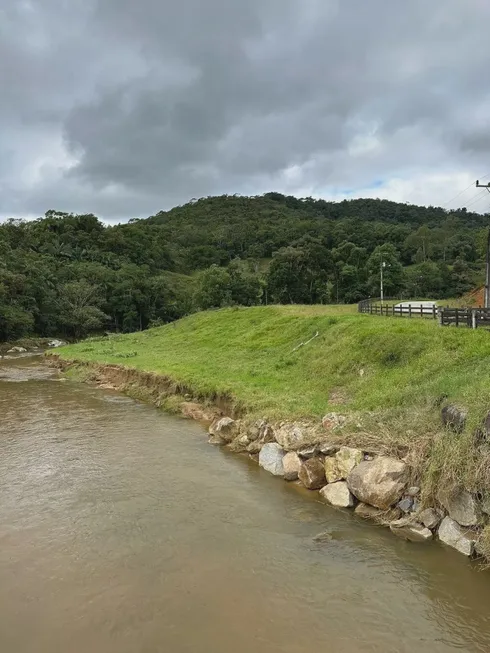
{"x": 453, "y": 535}
{"x": 270, "y": 458}
{"x": 338, "y": 495}
{"x": 332, "y": 471}
{"x": 461, "y": 506}
{"x": 348, "y": 458}
{"x": 225, "y": 428}
{"x": 379, "y": 482}
{"x": 312, "y": 474}
{"x": 454, "y": 418}
{"x": 292, "y": 464}
{"x": 295, "y": 436}
{"x": 408, "y": 530}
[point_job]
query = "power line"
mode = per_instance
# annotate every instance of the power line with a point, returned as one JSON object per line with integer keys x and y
{"x": 476, "y": 199}
{"x": 463, "y": 191}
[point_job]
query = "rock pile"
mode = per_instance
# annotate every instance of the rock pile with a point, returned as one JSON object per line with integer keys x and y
{"x": 376, "y": 487}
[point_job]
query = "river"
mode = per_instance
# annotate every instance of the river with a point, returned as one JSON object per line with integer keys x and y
{"x": 123, "y": 531}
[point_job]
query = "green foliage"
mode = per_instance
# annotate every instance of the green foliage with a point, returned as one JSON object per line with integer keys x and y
{"x": 229, "y": 250}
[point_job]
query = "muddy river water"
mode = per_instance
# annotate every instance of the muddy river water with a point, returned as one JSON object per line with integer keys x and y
{"x": 123, "y": 531}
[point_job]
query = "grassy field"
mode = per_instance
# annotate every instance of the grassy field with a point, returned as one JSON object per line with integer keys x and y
{"x": 366, "y": 363}
{"x": 390, "y": 374}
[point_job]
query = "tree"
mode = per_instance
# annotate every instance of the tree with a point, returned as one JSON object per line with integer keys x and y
{"x": 214, "y": 288}
{"x": 79, "y": 312}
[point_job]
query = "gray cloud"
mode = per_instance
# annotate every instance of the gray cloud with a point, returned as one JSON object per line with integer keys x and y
{"x": 124, "y": 108}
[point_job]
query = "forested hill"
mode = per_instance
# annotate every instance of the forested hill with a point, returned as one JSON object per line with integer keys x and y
{"x": 71, "y": 275}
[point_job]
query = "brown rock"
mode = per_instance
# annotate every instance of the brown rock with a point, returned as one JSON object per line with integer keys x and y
{"x": 292, "y": 464}
{"x": 380, "y": 482}
{"x": 254, "y": 447}
{"x": 225, "y": 427}
{"x": 332, "y": 471}
{"x": 348, "y": 458}
{"x": 312, "y": 474}
{"x": 294, "y": 436}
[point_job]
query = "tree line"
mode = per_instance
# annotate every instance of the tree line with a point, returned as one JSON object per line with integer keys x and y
{"x": 71, "y": 275}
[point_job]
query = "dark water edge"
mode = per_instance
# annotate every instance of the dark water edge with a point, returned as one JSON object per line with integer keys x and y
{"x": 122, "y": 530}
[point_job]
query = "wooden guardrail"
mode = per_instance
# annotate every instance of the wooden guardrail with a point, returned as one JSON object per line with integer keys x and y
{"x": 391, "y": 310}
{"x": 473, "y": 318}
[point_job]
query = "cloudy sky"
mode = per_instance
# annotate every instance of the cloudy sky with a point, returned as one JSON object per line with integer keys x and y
{"x": 125, "y": 107}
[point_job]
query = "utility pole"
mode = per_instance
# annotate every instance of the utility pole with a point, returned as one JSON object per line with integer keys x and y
{"x": 487, "y": 265}
{"x": 382, "y": 267}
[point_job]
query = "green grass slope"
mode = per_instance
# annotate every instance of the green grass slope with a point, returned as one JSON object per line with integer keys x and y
{"x": 357, "y": 363}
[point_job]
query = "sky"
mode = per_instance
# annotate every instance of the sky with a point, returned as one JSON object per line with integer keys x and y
{"x": 124, "y": 108}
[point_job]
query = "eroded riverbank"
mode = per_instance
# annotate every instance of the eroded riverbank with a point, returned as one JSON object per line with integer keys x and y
{"x": 122, "y": 530}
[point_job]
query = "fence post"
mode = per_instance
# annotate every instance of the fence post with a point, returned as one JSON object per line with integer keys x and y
{"x": 473, "y": 318}
{"x": 421, "y": 311}
{"x": 434, "y": 311}
{"x": 457, "y": 317}
{"x": 440, "y": 317}
{"x": 410, "y": 310}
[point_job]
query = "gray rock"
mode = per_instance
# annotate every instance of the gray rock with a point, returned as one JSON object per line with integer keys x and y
{"x": 332, "y": 471}
{"x": 292, "y": 437}
{"x": 292, "y": 464}
{"x": 415, "y": 505}
{"x": 461, "y": 506}
{"x": 348, "y": 458}
{"x": 430, "y": 518}
{"x": 270, "y": 458}
{"x": 309, "y": 452}
{"x": 312, "y": 474}
{"x": 406, "y": 504}
{"x": 454, "y": 418}
{"x": 451, "y": 534}
{"x": 411, "y": 531}
{"x": 225, "y": 427}
{"x": 17, "y": 350}
{"x": 56, "y": 343}
{"x": 338, "y": 495}
{"x": 380, "y": 482}
{"x": 413, "y": 491}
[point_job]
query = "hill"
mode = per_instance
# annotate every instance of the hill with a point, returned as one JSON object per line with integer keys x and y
{"x": 71, "y": 275}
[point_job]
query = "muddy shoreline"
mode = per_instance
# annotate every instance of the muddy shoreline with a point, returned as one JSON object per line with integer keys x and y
{"x": 376, "y": 487}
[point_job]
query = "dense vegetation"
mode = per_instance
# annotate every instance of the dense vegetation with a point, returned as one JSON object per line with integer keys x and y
{"x": 70, "y": 275}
